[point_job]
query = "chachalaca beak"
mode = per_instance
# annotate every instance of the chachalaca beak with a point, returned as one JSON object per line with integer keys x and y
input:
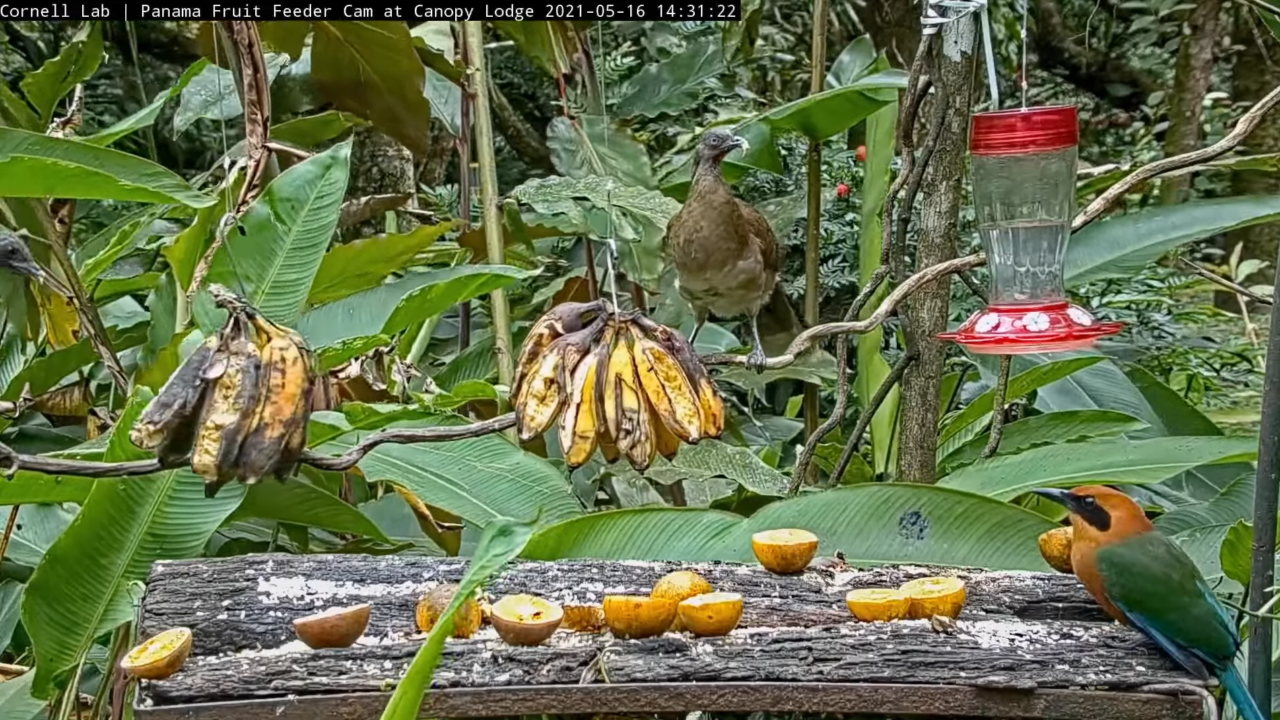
{"x": 1058, "y": 495}
{"x": 741, "y": 142}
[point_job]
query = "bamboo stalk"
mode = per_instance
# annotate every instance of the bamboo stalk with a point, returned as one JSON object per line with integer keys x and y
{"x": 813, "y": 231}
{"x": 472, "y": 32}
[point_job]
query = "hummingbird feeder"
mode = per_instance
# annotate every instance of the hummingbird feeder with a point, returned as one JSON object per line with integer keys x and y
{"x": 1024, "y": 183}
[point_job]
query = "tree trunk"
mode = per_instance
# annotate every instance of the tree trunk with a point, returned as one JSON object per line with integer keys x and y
{"x": 1191, "y": 82}
{"x": 379, "y": 166}
{"x": 926, "y": 312}
{"x": 1253, "y": 76}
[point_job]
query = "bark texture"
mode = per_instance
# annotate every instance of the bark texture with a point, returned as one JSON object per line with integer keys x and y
{"x": 1190, "y": 84}
{"x": 926, "y": 311}
{"x": 1020, "y": 634}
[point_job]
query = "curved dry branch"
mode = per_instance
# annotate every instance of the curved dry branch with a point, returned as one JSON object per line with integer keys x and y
{"x": 807, "y": 338}
{"x": 1243, "y": 127}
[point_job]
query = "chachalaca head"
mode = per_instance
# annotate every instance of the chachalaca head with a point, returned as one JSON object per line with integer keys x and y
{"x": 15, "y": 256}
{"x": 716, "y": 143}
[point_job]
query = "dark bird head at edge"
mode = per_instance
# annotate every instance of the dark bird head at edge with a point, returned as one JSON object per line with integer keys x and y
{"x": 1099, "y": 510}
{"x": 716, "y": 144}
{"x": 15, "y": 256}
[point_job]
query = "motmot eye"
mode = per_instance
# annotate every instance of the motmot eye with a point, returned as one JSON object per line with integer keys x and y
{"x": 1089, "y": 501}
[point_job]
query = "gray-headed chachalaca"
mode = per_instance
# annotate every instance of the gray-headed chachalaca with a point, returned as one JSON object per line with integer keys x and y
{"x": 15, "y": 256}
{"x": 726, "y": 256}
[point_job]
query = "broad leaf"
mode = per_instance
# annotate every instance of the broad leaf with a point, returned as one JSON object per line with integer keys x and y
{"x": 591, "y": 145}
{"x": 301, "y": 503}
{"x": 854, "y": 61}
{"x": 1118, "y": 462}
{"x": 818, "y": 116}
{"x": 1057, "y": 427}
{"x": 75, "y": 596}
{"x": 365, "y": 263}
{"x": 500, "y": 543}
{"x": 146, "y": 117}
{"x": 871, "y": 523}
{"x": 390, "y": 308}
{"x": 372, "y": 70}
{"x": 712, "y": 459}
{"x": 10, "y": 612}
{"x": 1019, "y": 385}
{"x": 675, "y": 84}
{"x": 38, "y": 166}
{"x": 479, "y": 479}
{"x": 551, "y": 44}
{"x": 45, "y": 373}
{"x": 1125, "y": 244}
{"x": 56, "y": 78}
{"x": 872, "y": 369}
{"x": 286, "y": 232}
{"x": 16, "y": 700}
{"x": 212, "y": 94}
{"x": 314, "y": 129}
{"x": 37, "y": 529}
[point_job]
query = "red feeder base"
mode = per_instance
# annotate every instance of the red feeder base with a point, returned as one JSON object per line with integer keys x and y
{"x": 1023, "y": 329}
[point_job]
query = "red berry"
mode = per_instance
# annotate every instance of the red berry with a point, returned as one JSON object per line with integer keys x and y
{"x": 862, "y": 153}
{"x": 842, "y": 191}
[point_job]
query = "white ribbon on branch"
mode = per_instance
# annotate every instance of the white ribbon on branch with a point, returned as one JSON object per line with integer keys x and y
{"x": 933, "y": 20}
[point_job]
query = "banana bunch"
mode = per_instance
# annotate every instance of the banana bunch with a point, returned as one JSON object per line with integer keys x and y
{"x": 238, "y": 406}
{"x": 619, "y": 382}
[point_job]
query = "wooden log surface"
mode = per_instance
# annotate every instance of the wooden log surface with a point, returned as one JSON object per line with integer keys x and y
{"x": 1022, "y": 637}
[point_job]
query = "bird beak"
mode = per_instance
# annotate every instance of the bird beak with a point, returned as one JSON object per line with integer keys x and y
{"x": 741, "y": 142}
{"x": 1062, "y": 497}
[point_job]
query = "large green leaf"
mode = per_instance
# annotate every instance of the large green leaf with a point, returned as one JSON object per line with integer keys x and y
{"x": 37, "y": 166}
{"x": 16, "y": 701}
{"x": 712, "y": 458}
{"x": 1124, "y": 244}
{"x": 1178, "y": 417}
{"x": 286, "y": 232}
{"x": 1056, "y": 427}
{"x": 37, "y": 529}
{"x": 365, "y": 263}
{"x": 592, "y": 145}
{"x": 872, "y": 369}
{"x": 500, "y": 543}
{"x": 1100, "y": 386}
{"x": 45, "y": 373}
{"x": 301, "y": 503}
{"x": 212, "y": 95}
{"x": 82, "y": 588}
{"x": 871, "y": 523}
{"x": 853, "y": 62}
{"x": 390, "y": 308}
{"x": 1019, "y": 385}
{"x": 675, "y": 84}
{"x": 312, "y": 130}
{"x": 10, "y": 613}
{"x": 146, "y": 117}
{"x": 370, "y": 68}
{"x": 551, "y": 44}
{"x": 78, "y": 60}
{"x": 1096, "y": 461}
{"x": 817, "y": 116}
{"x": 478, "y": 479}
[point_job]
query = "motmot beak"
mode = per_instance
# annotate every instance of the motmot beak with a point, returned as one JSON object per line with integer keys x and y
{"x": 1058, "y": 495}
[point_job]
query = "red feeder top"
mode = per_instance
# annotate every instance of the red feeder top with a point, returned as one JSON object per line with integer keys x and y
{"x": 1018, "y": 132}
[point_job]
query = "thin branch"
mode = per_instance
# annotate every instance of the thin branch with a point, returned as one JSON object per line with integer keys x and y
{"x": 1233, "y": 139}
{"x": 801, "y": 470}
{"x": 1224, "y": 282}
{"x": 8, "y": 530}
{"x": 869, "y": 412}
{"x": 872, "y": 321}
{"x": 997, "y": 408}
{"x": 283, "y": 149}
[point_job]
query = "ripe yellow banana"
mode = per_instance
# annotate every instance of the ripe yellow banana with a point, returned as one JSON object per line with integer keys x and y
{"x": 284, "y": 402}
{"x": 578, "y": 424}
{"x": 229, "y": 410}
{"x": 558, "y": 321}
{"x": 666, "y": 443}
{"x": 604, "y": 438}
{"x": 629, "y": 409}
{"x": 168, "y": 425}
{"x": 547, "y": 388}
{"x": 711, "y": 405}
{"x": 671, "y": 394}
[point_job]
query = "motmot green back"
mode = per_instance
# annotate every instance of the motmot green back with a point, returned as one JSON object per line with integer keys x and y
{"x": 1143, "y": 579}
